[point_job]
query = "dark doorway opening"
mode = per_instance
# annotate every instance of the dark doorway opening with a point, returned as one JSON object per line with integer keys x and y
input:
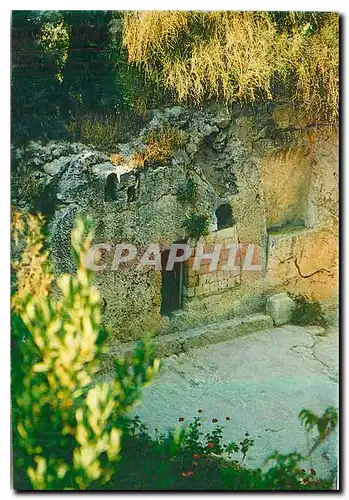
{"x": 224, "y": 216}
{"x": 110, "y": 191}
{"x": 171, "y": 286}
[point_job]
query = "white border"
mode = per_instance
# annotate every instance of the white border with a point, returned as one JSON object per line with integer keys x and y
{"x": 316, "y": 5}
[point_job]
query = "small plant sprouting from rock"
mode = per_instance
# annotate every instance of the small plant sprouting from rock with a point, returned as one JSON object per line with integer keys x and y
{"x": 116, "y": 158}
{"x": 307, "y": 311}
{"x": 187, "y": 191}
{"x": 196, "y": 225}
{"x": 161, "y": 145}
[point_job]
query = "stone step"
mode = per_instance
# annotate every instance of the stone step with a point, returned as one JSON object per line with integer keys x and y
{"x": 176, "y": 343}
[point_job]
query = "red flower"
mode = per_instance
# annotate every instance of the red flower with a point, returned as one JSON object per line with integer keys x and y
{"x": 196, "y": 456}
{"x": 200, "y": 410}
{"x": 210, "y": 446}
{"x": 189, "y": 473}
{"x": 227, "y": 418}
{"x": 214, "y": 420}
{"x": 313, "y": 472}
{"x": 181, "y": 419}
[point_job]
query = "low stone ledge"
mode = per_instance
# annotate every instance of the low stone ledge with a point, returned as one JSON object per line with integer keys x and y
{"x": 214, "y": 333}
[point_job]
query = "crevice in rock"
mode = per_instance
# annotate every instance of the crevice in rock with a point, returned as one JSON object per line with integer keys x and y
{"x": 329, "y": 371}
{"x": 322, "y": 270}
{"x": 182, "y": 374}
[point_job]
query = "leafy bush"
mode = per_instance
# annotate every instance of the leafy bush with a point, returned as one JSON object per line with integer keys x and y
{"x": 233, "y": 56}
{"x": 188, "y": 459}
{"x": 308, "y": 311}
{"x": 54, "y": 38}
{"x": 65, "y": 68}
{"x": 197, "y": 225}
{"x": 187, "y": 191}
{"x": 66, "y": 431}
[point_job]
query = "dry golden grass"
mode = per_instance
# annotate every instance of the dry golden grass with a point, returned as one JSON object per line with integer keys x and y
{"x": 116, "y": 158}
{"x": 160, "y": 146}
{"x": 138, "y": 160}
{"x": 243, "y": 56}
{"x": 162, "y": 143}
{"x": 105, "y": 131}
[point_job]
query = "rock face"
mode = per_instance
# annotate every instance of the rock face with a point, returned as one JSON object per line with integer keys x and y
{"x": 278, "y": 177}
{"x": 280, "y": 307}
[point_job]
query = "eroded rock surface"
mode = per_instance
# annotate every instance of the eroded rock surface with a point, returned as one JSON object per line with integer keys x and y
{"x": 278, "y": 174}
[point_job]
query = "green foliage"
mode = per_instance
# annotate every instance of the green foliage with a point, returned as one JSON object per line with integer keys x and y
{"x": 66, "y": 431}
{"x": 308, "y": 311}
{"x": 54, "y": 39}
{"x": 73, "y": 66}
{"x": 65, "y": 68}
{"x": 36, "y": 92}
{"x": 325, "y": 424}
{"x": 187, "y": 191}
{"x": 188, "y": 459}
{"x": 197, "y": 225}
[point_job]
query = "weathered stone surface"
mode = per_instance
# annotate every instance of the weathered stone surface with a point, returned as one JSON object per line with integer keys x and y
{"x": 304, "y": 261}
{"x": 176, "y": 343}
{"x": 272, "y": 170}
{"x": 285, "y": 177}
{"x": 279, "y": 307}
{"x": 315, "y": 330}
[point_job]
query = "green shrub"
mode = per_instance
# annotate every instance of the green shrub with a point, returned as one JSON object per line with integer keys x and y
{"x": 196, "y": 225}
{"x": 66, "y": 431}
{"x": 187, "y": 191}
{"x": 307, "y": 311}
{"x": 188, "y": 459}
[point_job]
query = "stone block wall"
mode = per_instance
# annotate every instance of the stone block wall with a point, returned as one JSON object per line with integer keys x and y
{"x": 203, "y": 281}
